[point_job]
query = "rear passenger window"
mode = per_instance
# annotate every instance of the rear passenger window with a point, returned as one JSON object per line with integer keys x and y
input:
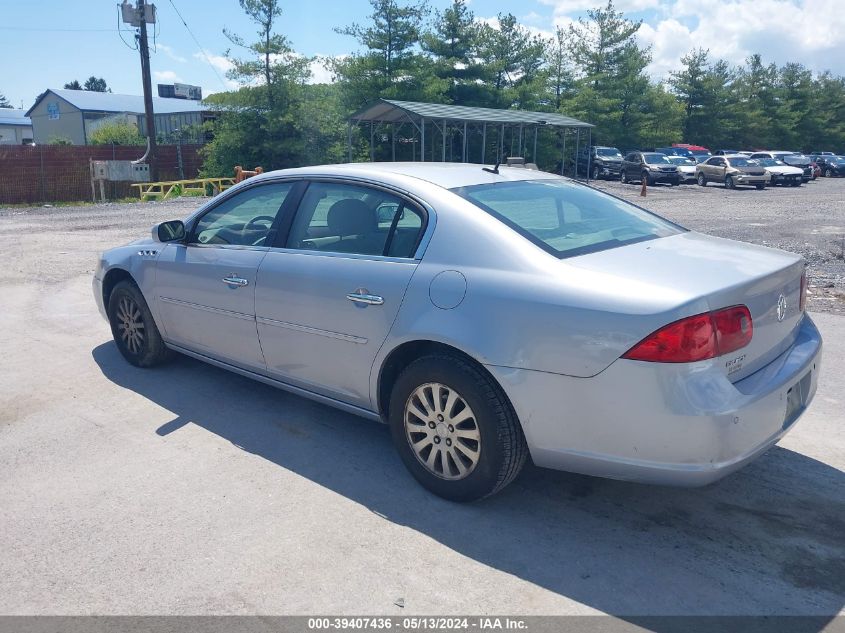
{"x": 344, "y": 218}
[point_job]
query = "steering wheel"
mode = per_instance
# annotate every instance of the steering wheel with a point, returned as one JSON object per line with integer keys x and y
{"x": 261, "y": 218}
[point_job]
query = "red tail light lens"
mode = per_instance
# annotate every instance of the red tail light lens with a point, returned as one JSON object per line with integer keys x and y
{"x": 696, "y": 338}
{"x": 802, "y": 301}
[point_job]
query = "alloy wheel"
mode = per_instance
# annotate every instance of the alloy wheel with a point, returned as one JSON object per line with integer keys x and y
{"x": 442, "y": 431}
{"x": 130, "y": 325}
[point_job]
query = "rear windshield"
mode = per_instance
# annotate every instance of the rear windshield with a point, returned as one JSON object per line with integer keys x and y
{"x": 681, "y": 160}
{"x": 796, "y": 159}
{"x": 651, "y": 159}
{"x": 565, "y": 218}
{"x": 608, "y": 151}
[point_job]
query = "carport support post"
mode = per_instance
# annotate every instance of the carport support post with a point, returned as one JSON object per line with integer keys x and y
{"x": 534, "y": 153}
{"x": 393, "y": 141}
{"x": 501, "y": 143}
{"x": 520, "y": 152}
{"x": 465, "y": 143}
{"x": 589, "y": 153}
{"x": 577, "y": 147}
{"x": 372, "y": 151}
{"x": 443, "y": 135}
{"x": 563, "y": 154}
{"x": 349, "y": 139}
{"x": 422, "y": 140}
{"x": 483, "y": 142}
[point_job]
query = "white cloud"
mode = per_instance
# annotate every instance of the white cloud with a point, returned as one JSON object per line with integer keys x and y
{"x": 781, "y": 31}
{"x": 166, "y": 76}
{"x": 320, "y": 71}
{"x": 172, "y": 54}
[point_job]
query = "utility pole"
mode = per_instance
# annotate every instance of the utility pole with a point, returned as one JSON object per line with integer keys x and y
{"x": 139, "y": 17}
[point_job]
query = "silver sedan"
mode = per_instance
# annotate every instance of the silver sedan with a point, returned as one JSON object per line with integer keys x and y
{"x": 486, "y": 315}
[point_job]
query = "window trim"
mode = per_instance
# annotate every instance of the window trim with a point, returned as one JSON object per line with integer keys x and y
{"x": 408, "y": 200}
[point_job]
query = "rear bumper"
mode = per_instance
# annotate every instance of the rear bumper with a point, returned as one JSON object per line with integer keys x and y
{"x": 684, "y": 425}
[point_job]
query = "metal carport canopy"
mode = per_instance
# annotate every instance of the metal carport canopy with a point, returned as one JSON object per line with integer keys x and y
{"x": 390, "y": 111}
{"x": 443, "y": 117}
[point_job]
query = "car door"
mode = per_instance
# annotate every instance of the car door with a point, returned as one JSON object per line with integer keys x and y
{"x": 205, "y": 287}
{"x": 712, "y": 169}
{"x": 328, "y": 295}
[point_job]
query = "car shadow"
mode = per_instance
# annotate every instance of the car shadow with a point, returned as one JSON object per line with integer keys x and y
{"x": 767, "y": 540}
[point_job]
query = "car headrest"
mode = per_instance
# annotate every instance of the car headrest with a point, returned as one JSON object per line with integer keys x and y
{"x": 351, "y": 217}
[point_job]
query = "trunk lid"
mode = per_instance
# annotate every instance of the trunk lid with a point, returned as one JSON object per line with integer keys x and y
{"x": 700, "y": 271}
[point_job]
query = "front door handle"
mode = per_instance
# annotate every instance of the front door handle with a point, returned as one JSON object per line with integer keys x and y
{"x": 362, "y": 296}
{"x": 233, "y": 280}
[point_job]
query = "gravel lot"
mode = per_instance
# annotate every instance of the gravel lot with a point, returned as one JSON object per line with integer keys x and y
{"x": 190, "y": 490}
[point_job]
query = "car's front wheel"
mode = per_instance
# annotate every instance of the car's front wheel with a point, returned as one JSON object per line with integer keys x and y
{"x": 702, "y": 181}
{"x": 828, "y": 173}
{"x": 729, "y": 182}
{"x": 623, "y": 177}
{"x": 596, "y": 173}
{"x": 455, "y": 429}
{"x": 133, "y": 328}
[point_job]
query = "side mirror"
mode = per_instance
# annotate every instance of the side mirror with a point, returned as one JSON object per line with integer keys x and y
{"x": 386, "y": 212}
{"x": 170, "y": 231}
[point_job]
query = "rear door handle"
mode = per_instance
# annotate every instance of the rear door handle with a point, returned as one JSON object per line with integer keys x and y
{"x": 233, "y": 280}
{"x": 362, "y": 296}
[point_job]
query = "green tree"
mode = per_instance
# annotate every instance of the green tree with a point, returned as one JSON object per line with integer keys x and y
{"x": 689, "y": 84}
{"x": 4, "y": 102}
{"x": 73, "y": 85}
{"x": 559, "y": 73}
{"x": 119, "y": 133}
{"x": 452, "y": 43}
{"x": 93, "y": 84}
{"x": 391, "y": 64}
{"x": 512, "y": 58}
{"x": 271, "y": 57}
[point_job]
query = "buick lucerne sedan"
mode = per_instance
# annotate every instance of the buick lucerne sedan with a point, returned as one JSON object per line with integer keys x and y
{"x": 487, "y": 315}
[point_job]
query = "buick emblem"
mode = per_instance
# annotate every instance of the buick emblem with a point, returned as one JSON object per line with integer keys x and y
{"x": 781, "y": 307}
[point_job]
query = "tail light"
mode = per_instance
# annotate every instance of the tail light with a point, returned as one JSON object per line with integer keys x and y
{"x": 802, "y": 301}
{"x": 696, "y": 338}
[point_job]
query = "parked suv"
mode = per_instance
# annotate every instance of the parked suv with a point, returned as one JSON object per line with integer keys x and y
{"x": 650, "y": 168}
{"x": 830, "y": 165}
{"x": 602, "y": 162}
{"x": 733, "y": 171}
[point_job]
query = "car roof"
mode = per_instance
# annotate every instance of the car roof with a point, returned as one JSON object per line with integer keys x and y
{"x": 446, "y": 175}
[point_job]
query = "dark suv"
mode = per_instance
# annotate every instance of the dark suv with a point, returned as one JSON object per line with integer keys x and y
{"x": 602, "y": 162}
{"x": 650, "y": 168}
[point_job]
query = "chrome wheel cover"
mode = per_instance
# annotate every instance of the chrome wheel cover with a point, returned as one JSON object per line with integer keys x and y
{"x": 130, "y": 324}
{"x": 442, "y": 431}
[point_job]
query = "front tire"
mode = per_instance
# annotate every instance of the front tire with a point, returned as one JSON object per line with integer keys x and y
{"x": 729, "y": 182}
{"x": 623, "y": 177}
{"x": 702, "y": 181}
{"x": 760, "y": 187}
{"x": 454, "y": 428}
{"x": 828, "y": 173}
{"x": 133, "y": 328}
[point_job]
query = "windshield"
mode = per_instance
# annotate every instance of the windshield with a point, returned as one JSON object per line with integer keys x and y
{"x": 681, "y": 160}
{"x": 743, "y": 162}
{"x": 609, "y": 151}
{"x": 796, "y": 159}
{"x": 768, "y": 162}
{"x": 565, "y": 218}
{"x": 656, "y": 158}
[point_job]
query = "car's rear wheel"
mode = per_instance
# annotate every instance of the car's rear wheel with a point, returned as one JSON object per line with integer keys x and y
{"x": 729, "y": 182}
{"x": 828, "y": 173}
{"x": 623, "y": 177}
{"x": 596, "y": 173}
{"x": 133, "y": 328}
{"x": 455, "y": 429}
{"x": 761, "y": 187}
{"x": 702, "y": 181}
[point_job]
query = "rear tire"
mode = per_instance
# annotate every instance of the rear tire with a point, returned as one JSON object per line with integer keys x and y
{"x": 623, "y": 178}
{"x": 133, "y": 328}
{"x": 596, "y": 173}
{"x": 702, "y": 181}
{"x": 828, "y": 173}
{"x": 761, "y": 187}
{"x": 729, "y": 182}
{"x": 434, "y": 434}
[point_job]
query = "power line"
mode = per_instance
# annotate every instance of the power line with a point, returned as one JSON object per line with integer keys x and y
{"x": 24, "y": 28}
{"x": 199, "y": 46}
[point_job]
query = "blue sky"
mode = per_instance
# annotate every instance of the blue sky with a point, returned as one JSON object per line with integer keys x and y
{"x": 75, "y": 39}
